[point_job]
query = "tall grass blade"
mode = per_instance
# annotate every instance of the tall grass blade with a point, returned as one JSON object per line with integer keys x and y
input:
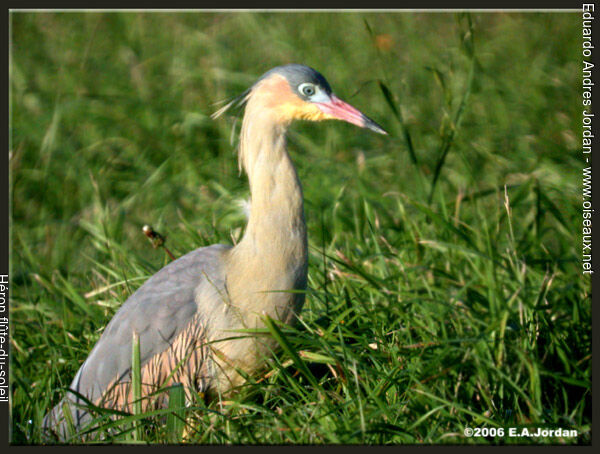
{"x": 176, "y": 416}
{"x": 448, "y": 138}
{"x": 136, "y": 385}
{"x": 389, "y": 98}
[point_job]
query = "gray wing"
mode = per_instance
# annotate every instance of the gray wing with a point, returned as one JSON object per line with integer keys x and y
{"x": 157, "y": 311}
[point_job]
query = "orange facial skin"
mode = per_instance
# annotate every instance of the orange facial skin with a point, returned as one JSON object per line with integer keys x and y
{"x": 277, "y": 95}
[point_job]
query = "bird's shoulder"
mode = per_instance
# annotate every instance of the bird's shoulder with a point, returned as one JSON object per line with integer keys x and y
{"x": 168, "y": 298}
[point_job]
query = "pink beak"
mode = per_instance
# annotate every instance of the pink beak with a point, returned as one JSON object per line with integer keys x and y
{"x": 344, "y": 111}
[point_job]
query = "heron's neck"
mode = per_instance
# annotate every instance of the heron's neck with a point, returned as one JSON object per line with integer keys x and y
{"x": 272, "y": 257}
{"x": 276, "y": 222}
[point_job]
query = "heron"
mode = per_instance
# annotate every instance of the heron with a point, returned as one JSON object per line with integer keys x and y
{"x": 184, "y": 315}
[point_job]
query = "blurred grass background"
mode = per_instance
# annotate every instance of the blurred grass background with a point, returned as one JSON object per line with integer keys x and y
{"x": 432, "y": 306}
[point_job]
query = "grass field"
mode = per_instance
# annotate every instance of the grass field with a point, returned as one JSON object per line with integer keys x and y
{"x": 445, "y": 285}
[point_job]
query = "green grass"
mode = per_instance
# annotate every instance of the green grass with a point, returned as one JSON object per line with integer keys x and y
{"x": 445, "y": 288}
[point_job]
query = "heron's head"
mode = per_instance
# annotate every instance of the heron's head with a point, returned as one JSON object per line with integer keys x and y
{"x": 298, "y": 92}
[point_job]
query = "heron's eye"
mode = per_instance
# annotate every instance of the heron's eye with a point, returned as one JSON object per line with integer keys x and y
{"x": 307, "y": 89}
